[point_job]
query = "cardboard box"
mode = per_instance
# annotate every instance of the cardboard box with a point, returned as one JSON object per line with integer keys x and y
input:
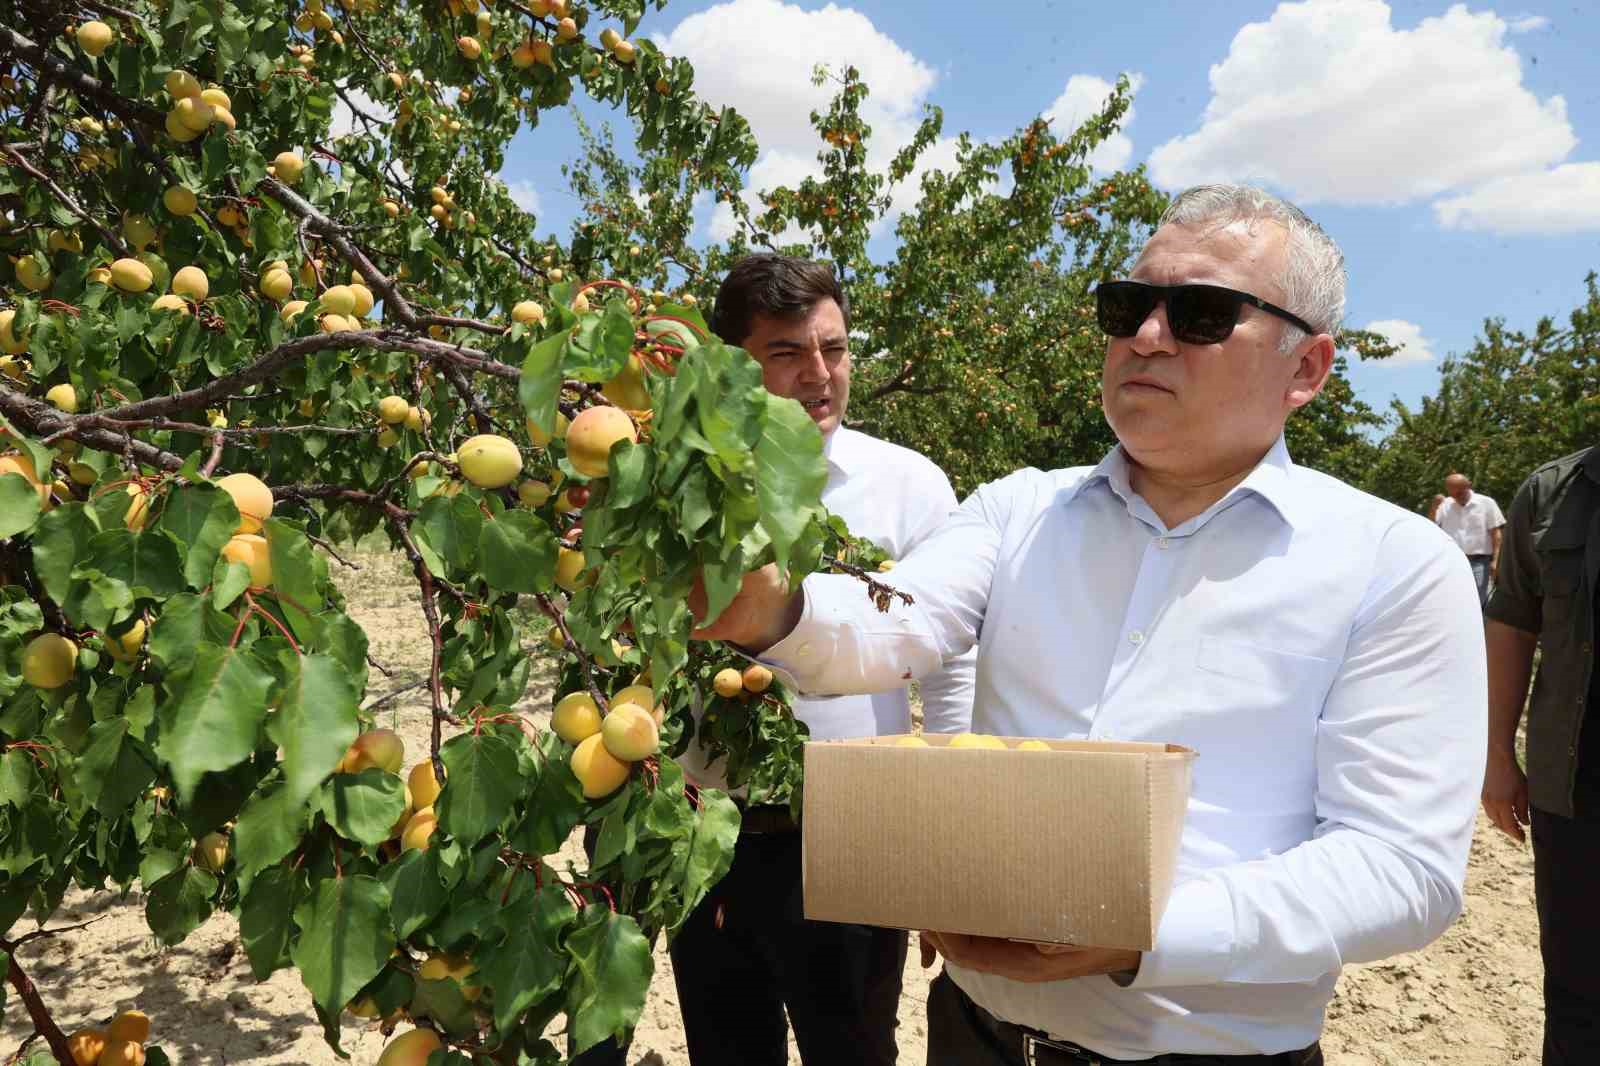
{"x": 1076, "y": 845}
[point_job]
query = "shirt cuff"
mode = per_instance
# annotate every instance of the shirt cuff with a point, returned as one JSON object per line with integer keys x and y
{"x": 797, "y": 657}
{"x": 1194, "y": 945}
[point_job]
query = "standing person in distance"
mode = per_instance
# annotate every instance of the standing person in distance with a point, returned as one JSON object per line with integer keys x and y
{"x": 747, "y": 955}
{"x": 1544, "y": 600}
{"x": 1317, "y": 646}
{"x": 1474, "y": 522}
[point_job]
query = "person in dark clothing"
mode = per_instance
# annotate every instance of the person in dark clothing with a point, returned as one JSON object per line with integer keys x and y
{"x": 1545, "y": 601}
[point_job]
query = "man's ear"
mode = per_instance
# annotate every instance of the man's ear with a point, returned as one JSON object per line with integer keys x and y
{"x": 1314, "y": 362}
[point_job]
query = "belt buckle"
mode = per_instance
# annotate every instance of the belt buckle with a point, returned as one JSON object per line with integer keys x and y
{"x": 1030, "y": 1052}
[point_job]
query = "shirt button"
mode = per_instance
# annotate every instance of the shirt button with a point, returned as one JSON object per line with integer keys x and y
{"x": 1136, "y": 637}
{"x": 1162, "y": 543}
{"x": 804, "y": 649}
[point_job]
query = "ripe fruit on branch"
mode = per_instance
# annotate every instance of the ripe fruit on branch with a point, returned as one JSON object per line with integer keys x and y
{"x": 756, "y": 678}
{"x": 181, "y": 83}
{"x": 469, "y": 47}
{"x": 252, "y": 498}
{"x": 125, "y": 648}
{"x": 417, "y": 419}
{"x": 591, "y": 436}
{"x": 392, "y": 409}
{"x": 455, "y": 968}
{"x": 63, "y": 398}
{"x": 9, "y": 342}
{"x": 49, "y": 660}
{"x": 192, "y": 282}
{"x": 130, "y": 1025}
{"x": 121, "y": 1053}
{"x": 728, "y": 683}
{"x": 138, "y": 512}
{"x": 338, "y": 300}
{"x": 194, "y": 114}
{"x": 180, "y": 201}
{"x": 539, "y": 437}
{"x": 276, "y": 284}
{"x": 576, "y": 717}
{"x": 569, "y": 569}
{"x": 94, "y": 37}
{"x": 411, "y": 1049}
{"x": 424, "y": 785}
{"x": 288, "y": 166}
{"x": 625, "y": 51}
{"x": 130, "y": 275}
{"x": 609, "y": 38}
{"x": 527, "y": 311}
{"x": 364, "y": 299}
{"x": 86, "y": 1046}
{"x": 211, "y": 851}
{"x": 489, "y": 461}
{"x": 418, "y": 832}
{"x": 597, "y": 770}
{"x": 380, "y": 748}
{"x": 628, "y": 389}
{"x": 630, "y": 733}
{"x": 533, "y": 493}
{"x": 566, "y": 29}
{"x": 251, "y": 550}
{"x": 20, "y": 465}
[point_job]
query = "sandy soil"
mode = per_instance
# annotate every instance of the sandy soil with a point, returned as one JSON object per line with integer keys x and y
{"x": 1470, "y": 999}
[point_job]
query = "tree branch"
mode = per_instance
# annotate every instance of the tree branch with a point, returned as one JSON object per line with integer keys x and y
{"x": 40, "y": 1015}
{"x": 72, "y": 205}
{"x": 61, "y": 71}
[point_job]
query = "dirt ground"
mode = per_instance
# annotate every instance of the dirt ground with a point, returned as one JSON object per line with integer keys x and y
{"x": 1470, "y": 999}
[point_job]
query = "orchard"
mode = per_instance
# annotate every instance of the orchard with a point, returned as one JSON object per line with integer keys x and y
{"x": 236, "y": 342}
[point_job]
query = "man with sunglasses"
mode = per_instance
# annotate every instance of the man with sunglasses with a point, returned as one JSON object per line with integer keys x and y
{"x": 1318, "y": 647}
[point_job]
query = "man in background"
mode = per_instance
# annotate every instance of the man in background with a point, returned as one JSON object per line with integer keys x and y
{"x": 1474, "y": 522}
{"x": 1544, "y": 599}
{"x": 747, "y": 955}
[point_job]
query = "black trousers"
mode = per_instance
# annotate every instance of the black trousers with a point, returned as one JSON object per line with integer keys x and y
{"x": 1566, "y": 884}
{"x": 747, "y": 955}
{"x": 961, "y": 1033}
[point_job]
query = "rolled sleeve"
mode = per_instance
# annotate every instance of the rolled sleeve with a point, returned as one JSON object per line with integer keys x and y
{"x": 1518, "y": 599}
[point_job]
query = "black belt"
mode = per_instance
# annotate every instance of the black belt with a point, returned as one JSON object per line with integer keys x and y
{"x": 1036, "y": 1048}
{"x": 766, "y": 818}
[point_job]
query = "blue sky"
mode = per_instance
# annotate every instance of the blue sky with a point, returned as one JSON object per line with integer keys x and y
{"x": 1453, "y": 151}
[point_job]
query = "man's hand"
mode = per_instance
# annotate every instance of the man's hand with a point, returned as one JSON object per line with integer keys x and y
{"x": 1031, "y": 963}
{"x": 763, "y": 612}
{"x": 1505, "y": 795}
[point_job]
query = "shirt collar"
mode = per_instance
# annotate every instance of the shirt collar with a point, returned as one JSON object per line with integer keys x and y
{"x": 1272, "y": 480}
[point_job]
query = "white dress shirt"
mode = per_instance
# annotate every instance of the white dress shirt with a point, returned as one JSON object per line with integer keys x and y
{"x": 1469, "y": 524}
{"x": 1320, "y": 649}
{"x": 895, "y": 498}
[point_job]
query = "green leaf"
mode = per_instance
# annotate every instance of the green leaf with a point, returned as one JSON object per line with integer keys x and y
{"x": 269, "y": 827}
{"x": 482, "y": 783}
{"x": 187, "y": 622}
{"x": 179, "y": 903}
{"x": 517, "y": 553}
{"x": 201, "y": 518}
{"x": 20, "y": 505}
{"x": 315, "y": 722}
{"x": 214, "y": 718}
{"x": 59, "y": 540}
{"x": 540, "y": 383}
{"x": 346, "y": 941}
{"x": 418, "y": 890}
{"x": 115, "y": 768}
{"x": 610, "y": 975}
{"x": 294, "y": 576}
{"x": 716, "y": 832}
{"x": 364, "y": 807}
{"x": 148, "y": 561}
{"x": 447, "y": 530}
{"x": 17, "y": 778}
{"x": 556, "y": 805}
{"x": 528, "y": 964}
{"x": 791, "y": 473}
{"x": 266, "y": 920}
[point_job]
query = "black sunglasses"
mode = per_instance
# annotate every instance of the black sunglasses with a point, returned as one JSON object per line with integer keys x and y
{"x": 1198, "y": 314}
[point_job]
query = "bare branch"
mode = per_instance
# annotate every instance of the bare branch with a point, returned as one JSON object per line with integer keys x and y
{"x": 66, "y": 198}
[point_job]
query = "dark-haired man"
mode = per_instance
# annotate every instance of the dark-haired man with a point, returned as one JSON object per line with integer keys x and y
{"x": 747, "y": 955}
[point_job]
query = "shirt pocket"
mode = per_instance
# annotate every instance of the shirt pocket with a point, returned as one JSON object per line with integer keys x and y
{"x": 1561, "y": 578}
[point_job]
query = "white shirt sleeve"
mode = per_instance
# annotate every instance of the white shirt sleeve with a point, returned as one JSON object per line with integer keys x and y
{"x": 1399, "y": 768}
{"x": 947, "y": 692}
{"x": 1495, "y": 518}
{"x": 843, "y": 644}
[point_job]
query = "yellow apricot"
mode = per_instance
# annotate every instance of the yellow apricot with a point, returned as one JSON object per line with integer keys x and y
{"x": 597, "y": 770}
{"x": 630, "y": 733}
{"x": 251, "y": 550}
{"x": 489, "y": 461}
{"x": 252, "y": 498}
{"x": 576, "y": 717}
{"x": 757, "y": 678}
{"x": 424, "y": 784}
{"x": 411, "y": 1048}
{"x": 94, "y": 37}
{"x": 418, "y": 831}
{"x": 192, "y": 282}
{"x": 591, "y": 436}
{"x": 49, "y": 660}
{"x": 728, "y": 683}
{"x": 288, "y": 166}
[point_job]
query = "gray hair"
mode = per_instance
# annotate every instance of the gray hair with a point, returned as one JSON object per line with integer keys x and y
{"x": 1314, "y": 279}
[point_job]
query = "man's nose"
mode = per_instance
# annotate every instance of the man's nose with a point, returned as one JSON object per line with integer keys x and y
{"x": 814, "y": 367}
{"x": 1154, "y": 336}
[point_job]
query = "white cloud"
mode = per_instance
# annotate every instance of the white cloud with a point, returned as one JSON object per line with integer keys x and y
{"x": 1413, "y": 347}
{"x": 1563, "y": 200}
{"x": 1329, "y": 101}
{"x": 525, "y": 196}
{"x": 1527, "y": 23}
{"x": 344, "y": 120}
{"x": 1083, "y": 98}
{"x": 758, "y": 55}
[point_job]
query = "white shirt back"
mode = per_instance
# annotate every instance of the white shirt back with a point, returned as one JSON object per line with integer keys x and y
{"x": 1469, "y": 524}
{"x": 1322, "y": 651}
{"x": 895, "y": 498}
